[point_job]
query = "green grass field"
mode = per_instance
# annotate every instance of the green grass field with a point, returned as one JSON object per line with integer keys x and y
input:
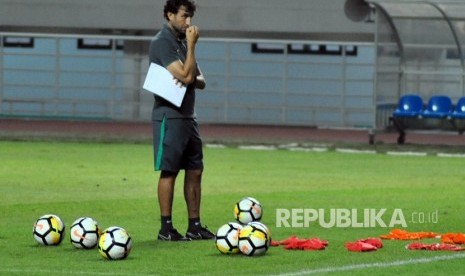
{"x": 116, "y": 185}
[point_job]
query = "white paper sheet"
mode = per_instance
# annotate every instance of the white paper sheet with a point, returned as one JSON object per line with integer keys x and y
{"x": 160, "y": 82}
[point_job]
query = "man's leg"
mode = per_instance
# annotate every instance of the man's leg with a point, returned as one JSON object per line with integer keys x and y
{"x": 192, "y": 195}
{"x": 192, "y": 192}
{"x": 166, "y": 192}
{"x": 165, "y": 200}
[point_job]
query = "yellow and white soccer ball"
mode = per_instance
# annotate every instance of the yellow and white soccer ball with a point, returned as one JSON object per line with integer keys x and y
{"x": 264, "y": 228}
{"x": 248, "y": 209}
{"x": 253, "y": 240}
{"x": 49, "y": 230}
{"x": 115, "y": 243}
{"x": 227, "y": 238}
{"x": 84, "y": 233}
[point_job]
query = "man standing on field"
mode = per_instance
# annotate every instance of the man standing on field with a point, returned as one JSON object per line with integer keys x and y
{"x": 176, "y": 140}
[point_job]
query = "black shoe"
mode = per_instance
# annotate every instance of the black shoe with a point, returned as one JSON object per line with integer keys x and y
{"x": 202, "y": 233}
{"x": 171, "y": 235}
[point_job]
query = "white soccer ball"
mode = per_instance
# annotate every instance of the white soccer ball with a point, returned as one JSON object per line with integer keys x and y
{"x": 115, "y": 243}
{"x": 84, "y": 233}
{"x": 227, "y": 238}
{"x": 247, "y": 210}
{"x": 49, "y": 230}
{"x": 262, "y": 227}
{"x": 253, "y": 240}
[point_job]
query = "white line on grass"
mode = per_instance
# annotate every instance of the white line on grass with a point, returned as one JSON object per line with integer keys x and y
{"x": 355, "y": 151}
{"x": 215, "y": 146}
{"x": 406, "y": 153}
{"x": 258, "y": 147}
{"x": 374, "y": 265}
{"x": 453, "y": 155}
{"x": 66, "y": 272}
{"x": 309, "y": 149}
{"x": 295, "y": 147}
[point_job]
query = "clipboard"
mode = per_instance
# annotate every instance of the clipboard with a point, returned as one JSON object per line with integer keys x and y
{"x": 160, "y": 82}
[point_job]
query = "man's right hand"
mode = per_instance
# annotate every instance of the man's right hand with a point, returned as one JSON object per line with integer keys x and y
{"x": 192, "y": 35}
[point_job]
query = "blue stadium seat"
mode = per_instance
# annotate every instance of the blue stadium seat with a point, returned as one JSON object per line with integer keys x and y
{"x": 438, "y": 107}
{"x": 459, "y": 111}
{"x": 410, "y": 106}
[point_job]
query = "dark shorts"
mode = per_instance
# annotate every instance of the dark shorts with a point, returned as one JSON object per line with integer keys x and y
{"x": 177, "y": 145}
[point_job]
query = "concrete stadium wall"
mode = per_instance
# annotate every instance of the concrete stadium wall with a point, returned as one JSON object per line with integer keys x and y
{"x": 56, "y": 78}
{"x": 296, "y": 19}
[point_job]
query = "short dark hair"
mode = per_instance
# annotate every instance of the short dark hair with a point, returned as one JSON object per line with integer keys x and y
{"x": 174, "y": 5}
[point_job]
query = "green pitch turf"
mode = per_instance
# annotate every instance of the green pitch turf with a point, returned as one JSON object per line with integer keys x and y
{"x": 116, "y": 185}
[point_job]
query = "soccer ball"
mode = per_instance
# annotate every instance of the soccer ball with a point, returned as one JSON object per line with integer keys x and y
{"x": 262, "y": 227}
{"x": 253, "y": 240}
{"x": 247, "y": 210}
{"x": 49, "y": 230}
{"x": 115, "y": 243}
{"x": 227, "y": 238}
{"x": 84, "y": 233}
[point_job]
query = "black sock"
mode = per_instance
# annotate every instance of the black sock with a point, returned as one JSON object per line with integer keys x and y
{"x": 194, "y": 223}
{"x": 166, "y": 223}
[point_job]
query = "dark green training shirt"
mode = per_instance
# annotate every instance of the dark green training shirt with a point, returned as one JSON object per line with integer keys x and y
{"x": 165, "y": 48}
